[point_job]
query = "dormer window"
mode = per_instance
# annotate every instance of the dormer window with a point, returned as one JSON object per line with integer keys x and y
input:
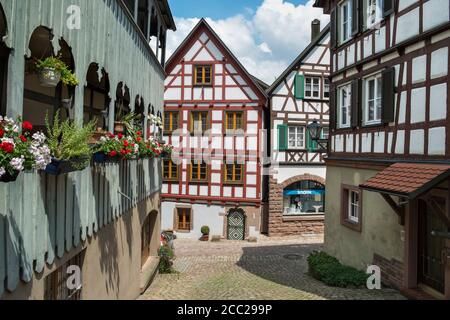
{"x": 203, "y": 75}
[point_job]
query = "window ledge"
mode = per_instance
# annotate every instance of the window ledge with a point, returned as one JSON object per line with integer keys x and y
{"x": 355, "y": 226}
{"x": 315, "y": 217}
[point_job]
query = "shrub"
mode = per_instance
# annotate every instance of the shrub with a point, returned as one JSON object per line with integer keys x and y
{"x": 205, "y": 230}
{"x": 165, "y": 263}
{"x": 329, "y": 270}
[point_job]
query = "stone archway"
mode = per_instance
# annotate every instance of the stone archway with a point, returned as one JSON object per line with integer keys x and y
{"x": 303, "y": 177}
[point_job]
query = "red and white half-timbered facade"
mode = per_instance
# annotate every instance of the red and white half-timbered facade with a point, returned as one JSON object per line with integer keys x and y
{"x": 214, "y": 112}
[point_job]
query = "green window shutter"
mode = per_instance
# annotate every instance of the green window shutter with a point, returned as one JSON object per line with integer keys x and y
{"x": 311, "y": 145}
{"x": 299, "y": 86}
{"x": 282, "y": 137}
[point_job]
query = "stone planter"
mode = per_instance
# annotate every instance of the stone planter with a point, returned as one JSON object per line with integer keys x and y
{"x": 49, "y": 77}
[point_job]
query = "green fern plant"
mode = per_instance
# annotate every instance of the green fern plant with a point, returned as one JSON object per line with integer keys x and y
{"x": 69, "y": 141}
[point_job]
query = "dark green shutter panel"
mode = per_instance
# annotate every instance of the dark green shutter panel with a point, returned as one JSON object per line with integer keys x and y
{"x": 311, "y": 145}
{"x": 388, "y": 95}
{"x": 333, "y": 31}
{"x": 282, "y": 137}
{"x": 333, "y": 108}
{"x": 299, "y": 86}
{"x": 356, "y": 103}
{"x": 356, "y": 16}
{"x": 388, "y": 7}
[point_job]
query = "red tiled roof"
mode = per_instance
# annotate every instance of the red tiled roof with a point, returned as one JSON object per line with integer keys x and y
{"x": 407, "y": 179}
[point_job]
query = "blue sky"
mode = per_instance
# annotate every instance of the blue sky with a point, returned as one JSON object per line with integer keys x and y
{"x": 216, "y": 9}
{"x": 265, "y": 35}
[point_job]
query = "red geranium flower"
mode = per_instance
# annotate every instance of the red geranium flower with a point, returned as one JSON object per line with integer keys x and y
{"x": 125, "y": 143}
{"x": 27, "y": 126}
{"x": 123, "y": 152}
{"x": 120, "y": 136}
{"x": 2, "y": 133}
{"x": 139, "y": 139}
{"x": 7, "y": 147}
{"x": 113, "y": 153}
{"x": 139, "y": 133}
{"x": 110, "y": 135}
{"x": 23, "y": 138}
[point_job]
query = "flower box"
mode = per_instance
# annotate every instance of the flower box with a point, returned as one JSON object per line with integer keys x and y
{"x": 58, "y": 167}
{"x": 7, "y": 177}
{"x": 101, "y": 157}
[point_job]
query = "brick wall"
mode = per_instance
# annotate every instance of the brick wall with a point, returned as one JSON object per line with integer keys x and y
{"x": 285, "y": 226}
{"x": 391, "y": 271}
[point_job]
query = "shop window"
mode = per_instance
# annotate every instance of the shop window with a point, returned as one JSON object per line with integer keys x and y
{"x": 304, "y": 198}
{"x": 56, "y": 287}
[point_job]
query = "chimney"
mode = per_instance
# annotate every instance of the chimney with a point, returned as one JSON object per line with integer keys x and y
{"x": 315, "y": 29}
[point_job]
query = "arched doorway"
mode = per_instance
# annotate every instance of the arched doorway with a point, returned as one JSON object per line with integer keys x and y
{"x": 4, "y": 55}
{"x": 40, "y": 101}
{"x": 96, "y": 97}
{"x": 236, "y": 224}
{"x": 304, "y": 197}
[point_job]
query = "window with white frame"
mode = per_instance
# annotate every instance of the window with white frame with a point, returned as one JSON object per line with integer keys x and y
{"x": 297, "y": 137}
{"x": 345, "y": 20}
{"x": 312, "y": 87}
{"x": 353, "y": 206}
{"x": 344, "y": 106}
{"x": 372, "y": 99}
{"x": 374, "y": 12}
{"x": 325, "y": 132}
{"x": 326, "y": 89}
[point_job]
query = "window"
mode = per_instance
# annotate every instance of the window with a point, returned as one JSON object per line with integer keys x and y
{"x": 325, "y": 132}
{"x": 146, "y": 237}
{"x": 351, "y": 208}
{"x": 234, "y": 121}
{"x": 297, "y": 137}
{"x": 344, "y": 106}
{"x": 171, "y": 121}
{"x": 199, "y": 122}
{"x": 374, "y": 12}
{"x": 203, "y": 75}
{"x": 234, "y": 173}
{"x": 199, "y": 171}
{"x": 304, "y": 198}
{"x": 372, "y": 99}
{"x": 312, "y": 87}
{"x": 170, "y": 170}
{"x": 56, "y": 283}
{"x": 345, "y": 21}
{"x": 326, "y": 89}
{"x": 184, "y": 219}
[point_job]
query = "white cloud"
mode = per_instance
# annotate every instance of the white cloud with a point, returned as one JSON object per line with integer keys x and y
{"x": 266, "y": 41}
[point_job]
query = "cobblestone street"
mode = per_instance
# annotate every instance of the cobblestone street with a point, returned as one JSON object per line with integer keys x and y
{"x": 272, "y": 269}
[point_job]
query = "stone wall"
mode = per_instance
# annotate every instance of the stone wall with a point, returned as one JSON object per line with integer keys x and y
{"x": 286, "y": 226}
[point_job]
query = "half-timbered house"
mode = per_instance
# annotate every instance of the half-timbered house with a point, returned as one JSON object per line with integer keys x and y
{"x": 299, "y": 97}
{"x": 389, "y": 163}
{"x": 214, "y": 111}
{"x": 100, "y": 225}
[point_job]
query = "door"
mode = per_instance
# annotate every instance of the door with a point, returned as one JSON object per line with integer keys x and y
{"x": 431, "y": 269}
{"x": 236, "y": 225}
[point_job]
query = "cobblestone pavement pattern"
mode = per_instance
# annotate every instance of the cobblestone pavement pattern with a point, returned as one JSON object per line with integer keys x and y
{"x": 272, "y": 269}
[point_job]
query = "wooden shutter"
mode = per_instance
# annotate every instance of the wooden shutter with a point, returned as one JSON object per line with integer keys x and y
{"x": 333, "y": 108}
{"x": 356, "y": 103}
{"x": 282, "y": 137}
{"x": 333, "y": 31}
{"x": 388, "y": 7}
{"x": 299, "y": 86}
{"x": 356, "y": 16}
{"x": 388, "y": 95}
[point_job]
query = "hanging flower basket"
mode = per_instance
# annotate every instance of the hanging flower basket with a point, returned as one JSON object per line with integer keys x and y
{"x": 7, "y": 177}
{"x": 58, "y": 167}
{"x": 49, "y": 77}
{"x": 101, "y": 157}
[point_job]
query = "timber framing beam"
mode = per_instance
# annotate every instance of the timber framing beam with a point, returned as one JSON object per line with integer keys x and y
{"x": 398, "y": 209}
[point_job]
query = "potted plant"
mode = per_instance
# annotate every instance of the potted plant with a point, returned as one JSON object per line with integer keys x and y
{"x": 113, "y": 148}
{"x": 20, "y": 150}
{"x": 69, "y": 145}
{"x": 205, "y": 233}
{"x": 125, "y": 122}
{"x": 166, "y": 150}
{"x": 51, "y": 70}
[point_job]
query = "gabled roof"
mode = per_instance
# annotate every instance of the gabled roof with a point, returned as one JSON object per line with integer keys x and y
{"x": 256, "y": 82}
{"x": 299, "y": 59}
